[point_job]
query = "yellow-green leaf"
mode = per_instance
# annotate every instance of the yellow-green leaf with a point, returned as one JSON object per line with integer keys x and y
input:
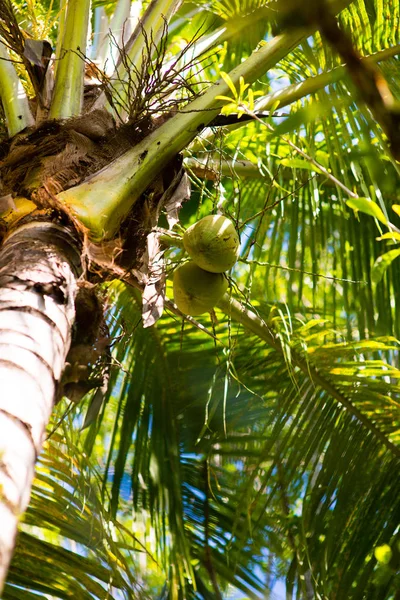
{"x": 368, "y": 207}
{"x": 396, "y": 209}
{"x": 382, "y": 263}
{"x": 298, "y": 163}
{"x": 229, "y": 83}
{"x": 225, "y": 98}
{"x": 383, "y": 554}
{"x": 390, "y": 235}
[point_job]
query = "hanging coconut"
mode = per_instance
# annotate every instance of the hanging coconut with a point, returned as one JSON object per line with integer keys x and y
{"x": 212, "y": 243}
{"x": 197, "y": 291}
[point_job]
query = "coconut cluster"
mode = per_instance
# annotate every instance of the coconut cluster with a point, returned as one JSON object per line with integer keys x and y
{"x": 213, "y": 245}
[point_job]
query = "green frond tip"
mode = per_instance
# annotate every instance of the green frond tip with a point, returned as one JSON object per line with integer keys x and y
{"x": 382, "y": 263}
{"x": 368, "y": 207}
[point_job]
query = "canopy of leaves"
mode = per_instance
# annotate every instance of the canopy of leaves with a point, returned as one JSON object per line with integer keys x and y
{"x": 217, "y": 460}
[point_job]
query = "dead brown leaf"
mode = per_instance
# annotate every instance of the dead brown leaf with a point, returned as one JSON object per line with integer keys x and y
{"x": 178, "y": 197}
{"x": 154, "y": 290}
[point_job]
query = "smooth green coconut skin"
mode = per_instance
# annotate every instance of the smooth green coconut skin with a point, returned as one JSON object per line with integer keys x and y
{"x": 197, "y": 291}
{"x": 212, "y": 243}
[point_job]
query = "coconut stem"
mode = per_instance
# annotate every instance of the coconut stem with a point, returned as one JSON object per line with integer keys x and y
{"x": 13, "y": 97}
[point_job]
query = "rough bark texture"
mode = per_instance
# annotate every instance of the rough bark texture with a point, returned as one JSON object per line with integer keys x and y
{"x": 39, "y": 266}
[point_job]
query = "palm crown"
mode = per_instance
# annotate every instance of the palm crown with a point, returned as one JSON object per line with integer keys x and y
{"x": 259, "y": 443}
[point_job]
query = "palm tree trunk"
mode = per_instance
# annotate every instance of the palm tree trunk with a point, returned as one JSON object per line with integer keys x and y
{"x": 39, "y": 266}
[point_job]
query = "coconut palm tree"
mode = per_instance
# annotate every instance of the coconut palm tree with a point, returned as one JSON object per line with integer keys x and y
{"x": 256, "y": 444}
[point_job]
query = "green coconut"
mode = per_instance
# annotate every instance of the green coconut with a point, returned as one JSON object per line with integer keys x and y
{"x": 197, "y": 291}
{"x": 212, "y": 243}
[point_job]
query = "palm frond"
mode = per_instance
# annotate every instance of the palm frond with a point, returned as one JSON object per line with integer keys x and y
{"x": 234, "y": 456}
{"x": 69, "y": 547}
{"x": 241, "y": 413}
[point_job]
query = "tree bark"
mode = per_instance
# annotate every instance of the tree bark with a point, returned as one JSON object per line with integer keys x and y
{"x": 39, "y": 266}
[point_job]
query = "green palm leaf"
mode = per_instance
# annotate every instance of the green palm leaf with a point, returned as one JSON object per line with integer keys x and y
{"x": 68, "y": 546}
